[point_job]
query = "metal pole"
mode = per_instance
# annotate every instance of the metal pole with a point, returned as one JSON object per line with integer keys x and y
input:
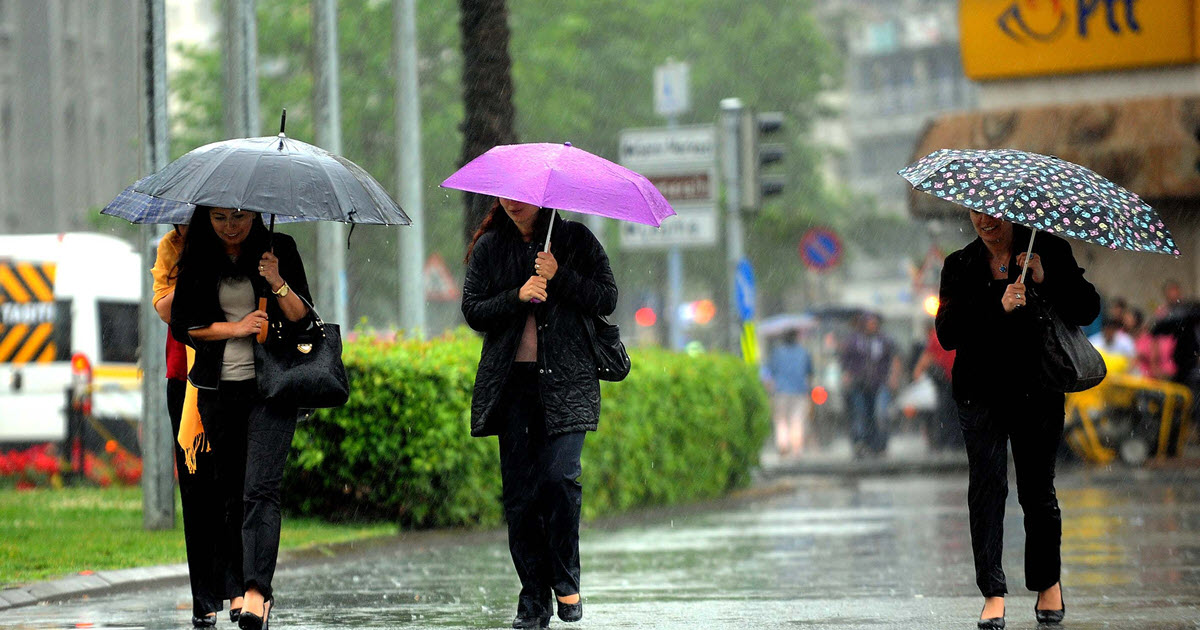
{"x": 408, "y": 166}
{"x": 327, "y": 110}
{"x": 731, "y": 117}
{"x": 157, "y": 441}
{"x": 241, "y": 69}
{"x": 674, "y": 283}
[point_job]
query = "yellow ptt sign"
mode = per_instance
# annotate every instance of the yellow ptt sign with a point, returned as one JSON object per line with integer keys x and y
{"x": 27, "y": 312}
{"x": 1014, "y": 38}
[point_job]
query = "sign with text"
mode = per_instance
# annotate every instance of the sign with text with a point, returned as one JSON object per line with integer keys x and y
{"x": 1015, "y": 38}
{"x": 681, "y": 163}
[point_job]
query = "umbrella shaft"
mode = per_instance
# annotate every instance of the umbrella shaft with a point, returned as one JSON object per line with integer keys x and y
{"x": 1028, "y": 253}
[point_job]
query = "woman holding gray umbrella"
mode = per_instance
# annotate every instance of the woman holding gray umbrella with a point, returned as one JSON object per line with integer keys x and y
{"x": 229, "y": 258}
{"x": 1001, "y": 399}
{"x": 536, "y": 387}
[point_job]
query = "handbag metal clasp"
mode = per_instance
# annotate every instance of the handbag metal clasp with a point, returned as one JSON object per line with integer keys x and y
{"x": 304, "y": 348}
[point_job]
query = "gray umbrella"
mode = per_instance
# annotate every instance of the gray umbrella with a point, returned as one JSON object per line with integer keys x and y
{"x": 279, "y": 176}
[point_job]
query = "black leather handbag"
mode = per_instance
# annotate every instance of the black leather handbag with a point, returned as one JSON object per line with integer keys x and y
{"x": 1070, "y": 363}
{"x": 612, "y": 362}
{"x": 300, "y": 365}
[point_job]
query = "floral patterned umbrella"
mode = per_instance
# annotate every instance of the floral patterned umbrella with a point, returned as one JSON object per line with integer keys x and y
{"x": 1044, "y": 193}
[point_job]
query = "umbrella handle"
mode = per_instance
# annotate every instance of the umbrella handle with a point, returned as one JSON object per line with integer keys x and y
{"x": 1028, "y": 253}
{"x": 549, "y": 231}
{"x": 262, "y": 334}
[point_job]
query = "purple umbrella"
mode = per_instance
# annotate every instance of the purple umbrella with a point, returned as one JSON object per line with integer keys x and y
{"x": 563, "y": 177}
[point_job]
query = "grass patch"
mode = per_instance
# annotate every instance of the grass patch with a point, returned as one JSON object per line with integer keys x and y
{"x": 47, "y": 533}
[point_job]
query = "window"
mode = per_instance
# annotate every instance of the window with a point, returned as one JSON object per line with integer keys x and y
{"x": 118, "y": 332}
{"x": 61, "y": 337}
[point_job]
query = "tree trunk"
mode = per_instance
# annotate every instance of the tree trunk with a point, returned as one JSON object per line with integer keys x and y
{"x": 487, "y": 91}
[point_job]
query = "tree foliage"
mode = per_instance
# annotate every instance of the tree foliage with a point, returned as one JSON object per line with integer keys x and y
{"x": 581, "y": 72}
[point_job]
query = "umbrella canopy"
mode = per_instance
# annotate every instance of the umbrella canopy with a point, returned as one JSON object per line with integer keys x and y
{"x": 1043, "y": 192}
{"x": 275, "y": 175}
{"x": 563, "y": 177}
{"x": 136, "y": 207}
{"x": 786, "y": 322}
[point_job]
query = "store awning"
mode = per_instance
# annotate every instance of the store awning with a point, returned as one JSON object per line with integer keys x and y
{"x": 1150, "y": 146}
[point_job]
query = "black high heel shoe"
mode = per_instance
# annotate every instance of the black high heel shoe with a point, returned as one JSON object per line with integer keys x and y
{"x": 251, "y": 621}
{"x": 991, "y": 623}
{"x": 207, "y": 621}
{"x": 570, "y": 612}
{"x": 234, "y": 613}
{"x": 523, "y": 623}
{"x": 1051, "y": 616}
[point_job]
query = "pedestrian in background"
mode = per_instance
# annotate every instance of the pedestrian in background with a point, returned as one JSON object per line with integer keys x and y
{"x": 787, "y": 377}
{"x": 536, "y": 387}
{"x": 1113, "y": 340}
{"x": 870, "y": 373}
{"x": 1153, "y": 352}
{"x": 229, "y": 258}
{"x": 194, "y": 466}
{"x": 1001, "y": 399}
{"x": 936, "y": 363}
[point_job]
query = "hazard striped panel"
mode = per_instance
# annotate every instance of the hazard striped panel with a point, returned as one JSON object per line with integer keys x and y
{"x": 27, "y": 312}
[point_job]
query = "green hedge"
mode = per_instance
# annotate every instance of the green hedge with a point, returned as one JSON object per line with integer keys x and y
{"x": 680, "y": 428}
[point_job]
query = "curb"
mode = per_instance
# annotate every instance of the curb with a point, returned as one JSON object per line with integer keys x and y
{"x": 89, "y": 583}
{"x": 939, "y": 464}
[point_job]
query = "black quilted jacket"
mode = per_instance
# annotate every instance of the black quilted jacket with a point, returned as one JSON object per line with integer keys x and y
{"x": 583, "y": 286}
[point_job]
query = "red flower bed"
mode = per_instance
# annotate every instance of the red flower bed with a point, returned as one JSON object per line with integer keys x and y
{"x": 42, "y": 466}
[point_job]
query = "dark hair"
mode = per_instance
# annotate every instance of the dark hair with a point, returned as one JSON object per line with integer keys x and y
{"x": 1111, "y": 322}
{"x": 203, "y": 250}
{"x": 497, "y": 219}
{"x": 489, "y": 223}
{"x": 1138, "y": 317}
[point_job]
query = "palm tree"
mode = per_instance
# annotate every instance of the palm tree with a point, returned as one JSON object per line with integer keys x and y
{"x": 487, "y": 90}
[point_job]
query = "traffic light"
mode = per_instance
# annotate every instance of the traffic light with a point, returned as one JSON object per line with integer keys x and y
{"x": 755, "y": 154}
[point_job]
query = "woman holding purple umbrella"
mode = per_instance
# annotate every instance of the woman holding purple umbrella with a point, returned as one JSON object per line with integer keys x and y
{"x": 536, "y": 387}
{"x": 1000, "y": 400}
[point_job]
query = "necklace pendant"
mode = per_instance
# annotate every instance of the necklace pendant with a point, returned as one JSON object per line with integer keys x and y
{"x": 1003, "y": 269}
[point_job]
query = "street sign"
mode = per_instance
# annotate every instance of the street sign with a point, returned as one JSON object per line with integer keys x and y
{"x": 439, "y": 282}
{"x": 672, "y": 92}
{"x": 681, "y": 163}
{"x": 688, "y": 228}
{"x": 820, "y": 249}
{"x": 744, "y": 291}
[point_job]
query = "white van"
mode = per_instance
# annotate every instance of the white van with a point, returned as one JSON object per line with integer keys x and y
{"x": 68, "y": 316}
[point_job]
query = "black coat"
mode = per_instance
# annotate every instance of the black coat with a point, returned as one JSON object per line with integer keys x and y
{"x": 197, "y": 305}
{"x": 998, "y": 353}
{"x": 500, "y": 265}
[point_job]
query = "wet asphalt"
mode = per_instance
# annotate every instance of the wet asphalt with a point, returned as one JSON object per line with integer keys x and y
{"x": 825, "y": 553}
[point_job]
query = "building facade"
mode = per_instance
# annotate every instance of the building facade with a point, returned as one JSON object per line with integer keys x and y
{"x": 902, "y": 68}
{"x": 70, "y": 116}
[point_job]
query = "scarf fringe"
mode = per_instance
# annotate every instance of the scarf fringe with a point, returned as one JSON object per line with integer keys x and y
{"x": 199, "y": 445}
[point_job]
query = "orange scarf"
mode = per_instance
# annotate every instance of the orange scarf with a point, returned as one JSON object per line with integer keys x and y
{"x": 191, "y": 436}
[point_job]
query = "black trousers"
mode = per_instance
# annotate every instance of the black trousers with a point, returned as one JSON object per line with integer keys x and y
{"x": 202, "y": 515}
{"x": 250, "y": 440}
{"x": 542, "y": 495}
{"x": 1033, "y": 423}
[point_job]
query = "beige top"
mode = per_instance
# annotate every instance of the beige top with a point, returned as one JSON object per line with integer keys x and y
{"x": 527, "y": 349}
{"x": 237, "y": 300}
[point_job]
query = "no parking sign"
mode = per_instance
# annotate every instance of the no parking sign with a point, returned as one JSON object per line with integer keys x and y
{"x": 820, "y": 249}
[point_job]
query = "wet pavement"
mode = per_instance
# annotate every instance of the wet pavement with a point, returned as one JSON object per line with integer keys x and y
{"x": 874, "y": 552}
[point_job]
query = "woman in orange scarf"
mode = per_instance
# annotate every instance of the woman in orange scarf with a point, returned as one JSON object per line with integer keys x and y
{"x": 202, "y": 520}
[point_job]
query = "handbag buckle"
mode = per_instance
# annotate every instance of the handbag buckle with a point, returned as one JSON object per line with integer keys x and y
{"x": 304, "y": 348}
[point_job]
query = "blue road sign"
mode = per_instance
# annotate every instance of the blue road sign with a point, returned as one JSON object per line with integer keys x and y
{"x": 744, "y": 290}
